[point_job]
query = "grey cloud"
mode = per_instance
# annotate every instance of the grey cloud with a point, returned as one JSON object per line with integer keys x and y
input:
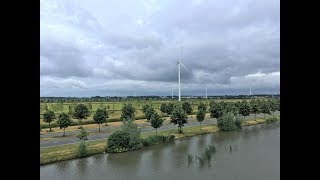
{"x": 221, "y": 40}
{"x": 62, "y": 61}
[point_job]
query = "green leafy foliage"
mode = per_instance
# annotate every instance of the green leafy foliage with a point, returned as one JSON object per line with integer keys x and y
{"x": 82, "y": 150}
{"x": 83, "y": 136}
{"x": 81, "y": 111}
{"x": 156, "y": 139}
{"x": 127, "y": 112}
{"x": 149, "y": 112}
{"x": 215, "y": 109}
{"x": 200, "y": 115}
{"x": 48, "y": 117}
{"x": 163, "y": 108}
{"x": 187, "y": 107}
{"x": 202, "y": 106}
{"x": 179, "y": 117}
{"x": 64, "y": 121}
{"x": 156, "y": 121}
{"x": 125, "y": 139}
{"x": 100, "y": 116}
{"x": 244, "y": 108}
{"x": 227, "y": 122}
{"x": 169, "y": 108}
{"x": 145, "y": 107}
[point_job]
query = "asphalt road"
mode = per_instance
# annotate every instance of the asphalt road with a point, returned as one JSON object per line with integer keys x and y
{"x": 71, "y": 140}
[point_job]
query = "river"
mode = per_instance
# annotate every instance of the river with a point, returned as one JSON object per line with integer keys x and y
{"x": 248, "y": 154}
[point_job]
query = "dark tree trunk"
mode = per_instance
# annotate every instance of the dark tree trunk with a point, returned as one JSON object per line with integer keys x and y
{"x": 64, "y": 131}
{"x": 49, "y": 127}
{"x": 99, "y": 127}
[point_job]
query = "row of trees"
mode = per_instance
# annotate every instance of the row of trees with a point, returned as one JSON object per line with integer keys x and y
{"x": 177, "y": 112}
{"x": 244, "y": 108}
{"x": 80, "y": 112}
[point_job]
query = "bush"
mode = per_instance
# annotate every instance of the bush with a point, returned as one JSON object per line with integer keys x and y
{"x": 156, "y": 139}
{"x": 126, "y": 139}
{"x": 118, "y": 141}
{"x": 272, "y": 119}
{"x": 227, "y": 122}
{"x": 82, "y": 150}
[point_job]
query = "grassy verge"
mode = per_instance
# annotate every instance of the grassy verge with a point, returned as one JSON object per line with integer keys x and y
{"x": 66, "y": 152}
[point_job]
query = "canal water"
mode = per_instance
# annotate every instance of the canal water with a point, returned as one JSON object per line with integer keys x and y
{"x": 248, "y": 154}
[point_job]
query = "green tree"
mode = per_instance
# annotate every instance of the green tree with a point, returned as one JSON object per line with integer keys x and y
{"x": 163, "y": 108}
{"x": 179, "y": 117}
{"x": 100, "y": 117}
{"x": 273, "y": 105}
{"x": 145, "y": 107}
{"x": 156, "y": 121}
{"x": 202, "y": 106}
{"x": 255, "y": 108}
{"x": 265, "y": 108}
{"x": 169, "y": 108}
{"x": 48, "y": 117}
{"x": 149, "y": 112}
{"x": 82, "y": 149}
{"x": 215, "y": 109}
{"x": 127, "y": 112}
{"x": 187, "y": 107}
{"x": 200, "y": 116}
{"x": 244, "y": 108}
{"x": 83, "y": 136}
{"x": 278, "y": 104}
{"x": 237, "y": 104}
{"x": 64, "y": 121}
{"x": 81, "y": 111}
{"x": 231, "y": 107}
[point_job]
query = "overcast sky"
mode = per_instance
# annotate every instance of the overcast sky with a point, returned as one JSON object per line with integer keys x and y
{"x": 99, "y": 47}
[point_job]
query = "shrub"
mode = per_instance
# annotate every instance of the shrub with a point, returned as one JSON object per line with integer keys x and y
{"x": 156, "y": 139}
{"x": 125, "y": 139}
{"x": 118, "y": 141}
{"x": 82, "y": 150}
{"x": 227, "y": 122}
{"x": 272, "y": 119}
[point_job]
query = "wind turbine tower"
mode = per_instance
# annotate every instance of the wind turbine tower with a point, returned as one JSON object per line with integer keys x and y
{"x": 180, "y": 63}
{"x": 172, "y": 93}
{"x": 206, "y": 92}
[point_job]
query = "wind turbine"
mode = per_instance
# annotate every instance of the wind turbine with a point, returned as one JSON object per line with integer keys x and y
{"x": 206, "y": 89}
{"x": 172, "y": 93}
{"x": 206, "y": 92}
{"x": 180, "y": 63}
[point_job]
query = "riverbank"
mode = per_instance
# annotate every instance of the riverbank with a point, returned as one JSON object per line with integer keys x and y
{"x": 67, "y": 152}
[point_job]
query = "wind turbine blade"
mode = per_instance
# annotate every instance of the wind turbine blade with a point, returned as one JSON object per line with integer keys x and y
{"x": 184, "y": 66}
